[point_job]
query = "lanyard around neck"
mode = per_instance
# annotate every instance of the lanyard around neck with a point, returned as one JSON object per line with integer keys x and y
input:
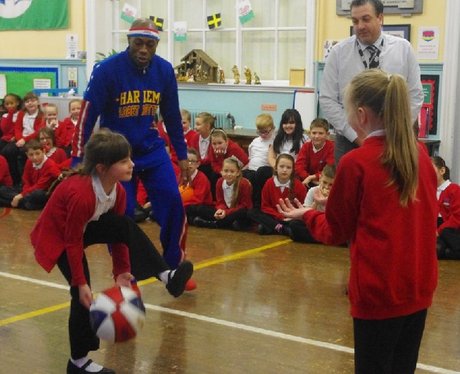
{"x": 361, "y": 53}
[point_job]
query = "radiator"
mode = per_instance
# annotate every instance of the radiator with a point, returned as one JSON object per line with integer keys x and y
{"x": 223, "y": 120}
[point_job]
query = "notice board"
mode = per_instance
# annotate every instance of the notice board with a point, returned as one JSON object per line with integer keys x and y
{"x": 20, "y": 80}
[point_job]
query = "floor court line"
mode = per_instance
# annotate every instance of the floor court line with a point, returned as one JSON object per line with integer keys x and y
{"x": 229, "y": 324}
{"x": 200, "y": 265}
{"x": 279, "y": 335}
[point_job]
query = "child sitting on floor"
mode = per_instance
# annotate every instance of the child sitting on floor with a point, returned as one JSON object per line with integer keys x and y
{"x": 316, "y": 198}
{"x": 448, "y": 194}
{"x": 199, "y": 185}
{"x": 39, "y": 173}
{"x": 315, "y": 154}
{"x": 233, "y": 199}
{"x": 258, "y": 166}
{"x": 281, "y": 186}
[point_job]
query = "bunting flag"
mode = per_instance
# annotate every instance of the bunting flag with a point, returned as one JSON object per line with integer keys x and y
{"x": 180, "y": 31}
{"x": 214, "y": 21}
{"x": 128, "y": 13}
{"x": 34, "y": 14}
{"x": 158, "y": 22}
{"x": 245, "y": 12}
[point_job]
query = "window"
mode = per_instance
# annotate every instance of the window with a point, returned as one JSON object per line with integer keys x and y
{"x": 271, "y": 44}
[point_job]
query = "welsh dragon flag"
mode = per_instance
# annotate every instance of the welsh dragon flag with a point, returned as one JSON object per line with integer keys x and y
{"x": 34, "y": 14}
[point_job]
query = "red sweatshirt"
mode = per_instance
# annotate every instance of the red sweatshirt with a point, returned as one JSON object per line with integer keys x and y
{"x": 201, "y": 190}
{"x": 19, "y": 127}
{"x": 271, "y": 195}
{"x": 233, "y": 149}
{"x": 194, "y": 142}
{"x": 70, "y": 131}
{"x": 39, "y": 179}
{"x": 309, "y": 162}
{"x": 5, "y": 177}
{"x": 61, "y": 135}
{"x": 7, "y": 126}
{"x": 449, "y": 207}
{"x": 392, "y": 248}
{"x": 244, "y": 196}
{"x": 189, "y": 135}
{"x": 61, "y": 227}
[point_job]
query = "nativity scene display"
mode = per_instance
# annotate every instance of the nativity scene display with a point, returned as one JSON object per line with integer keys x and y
{"x": 197, "y": 66}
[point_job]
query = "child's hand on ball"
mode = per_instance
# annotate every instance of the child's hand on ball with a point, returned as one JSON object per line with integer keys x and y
{"x": 124, "y": 280}
{"x": 85, "y": 295}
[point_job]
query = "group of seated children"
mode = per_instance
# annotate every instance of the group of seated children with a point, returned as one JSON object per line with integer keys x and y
{"x": 34, "y": 149}
{"x": 228, "y": 188}
{"x": 234, "y": 189}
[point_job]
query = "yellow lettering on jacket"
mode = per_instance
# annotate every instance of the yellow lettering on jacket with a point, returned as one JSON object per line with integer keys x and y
{"x": 151, "y": 97}
{"x": 149, "y": 109}
{"x": 130, "y": 97}
{"x": 128, "y": 111}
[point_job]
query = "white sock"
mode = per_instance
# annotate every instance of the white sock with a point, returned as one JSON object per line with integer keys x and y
{"x": 164, "y": 276}
{"x": 92, "y": 368}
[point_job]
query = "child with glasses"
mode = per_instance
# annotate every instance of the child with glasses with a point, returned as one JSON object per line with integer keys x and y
{"x": 199, "y": 186}
{"x": 258, "y": 154}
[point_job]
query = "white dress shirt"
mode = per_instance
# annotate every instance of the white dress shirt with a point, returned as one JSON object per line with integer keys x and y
{"x": 344, "y": 62}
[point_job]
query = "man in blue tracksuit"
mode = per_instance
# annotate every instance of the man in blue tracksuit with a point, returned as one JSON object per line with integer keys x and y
{"x": 126, "y": 91}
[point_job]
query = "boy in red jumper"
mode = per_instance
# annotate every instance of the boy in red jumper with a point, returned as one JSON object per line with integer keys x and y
{"x": 199, "y": 184}
{"x": 383, "y": 202}
{"x": 315, "y": 154}
{"x": 39, "y": 173}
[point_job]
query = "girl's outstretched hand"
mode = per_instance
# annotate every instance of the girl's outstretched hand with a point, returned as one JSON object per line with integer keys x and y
{"x": 290, "y": 210}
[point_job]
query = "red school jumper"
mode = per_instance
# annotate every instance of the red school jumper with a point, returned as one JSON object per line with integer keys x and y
{"x": 201, "y": 190}
{"x": 309, "y": 162}
{"x": 7, "y": 125}
{"x": 272, "y": 194}
{"x": 194, "y": 142}
{"x": 18, "y": 127}
{"x": 244, "y": 196}
{"x": 62, "y": 223}
{"x": 449, "y": 207}
{"x": 39, "y": 179}
{"x": 5, "y": 177}
{"x": 392, "y": 248}
{"x": 233, "y": 149}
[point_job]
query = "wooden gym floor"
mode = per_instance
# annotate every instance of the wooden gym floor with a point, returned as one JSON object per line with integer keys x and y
{"x": 263, "y": 305}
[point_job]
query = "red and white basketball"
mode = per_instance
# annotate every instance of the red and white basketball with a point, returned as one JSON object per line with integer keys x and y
{"x": 117, "y": 314}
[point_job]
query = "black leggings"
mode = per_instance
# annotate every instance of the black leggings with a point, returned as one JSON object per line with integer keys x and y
{"x": 145, "y": 260}
{"x": 388, "y": 346}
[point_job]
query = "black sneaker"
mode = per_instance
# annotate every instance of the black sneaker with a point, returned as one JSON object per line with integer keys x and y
{"x": 176, "y": 283}
{"x": 263, "y": 230}
{"x": 286, "y": 230}
{"x": 236, "y": 226}
{"x": 74, "y": 369}
{"x": 140, "y": 215}
{"x": 200, "y": 222}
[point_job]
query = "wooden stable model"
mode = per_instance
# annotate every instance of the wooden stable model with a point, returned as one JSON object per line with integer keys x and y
{"x": 197, "y": 66}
